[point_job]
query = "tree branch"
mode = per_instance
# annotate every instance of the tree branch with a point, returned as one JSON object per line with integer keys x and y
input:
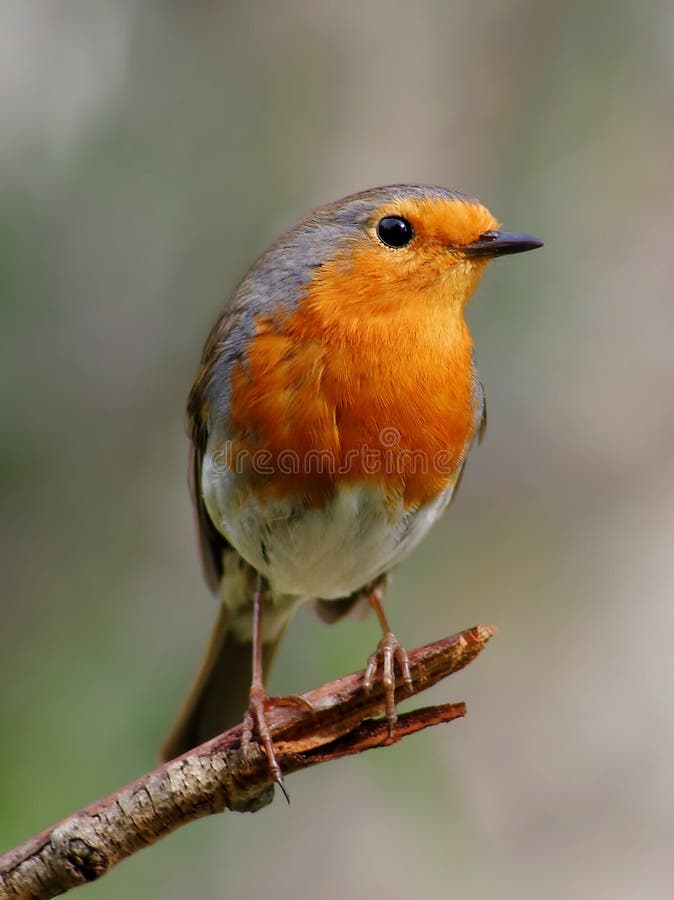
{"x": 332, "y": 721}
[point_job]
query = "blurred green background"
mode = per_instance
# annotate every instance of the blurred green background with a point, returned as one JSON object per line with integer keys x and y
{"x": 148, "y": 153}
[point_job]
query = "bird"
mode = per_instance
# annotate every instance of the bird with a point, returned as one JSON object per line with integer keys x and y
{"x": 331, "y": 417}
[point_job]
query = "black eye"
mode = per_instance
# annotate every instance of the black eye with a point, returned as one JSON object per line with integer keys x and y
{"x": 394, "y": 231}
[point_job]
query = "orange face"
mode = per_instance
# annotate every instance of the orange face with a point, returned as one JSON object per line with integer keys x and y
{"x": 369, "y": 375}
{"x": 431, "y": 265}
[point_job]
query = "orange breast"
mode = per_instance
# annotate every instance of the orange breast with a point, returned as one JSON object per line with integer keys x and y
{"x": 364, "y": 381}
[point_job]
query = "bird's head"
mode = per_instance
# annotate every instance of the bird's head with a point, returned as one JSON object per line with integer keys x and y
{"x": 384, "y": 244}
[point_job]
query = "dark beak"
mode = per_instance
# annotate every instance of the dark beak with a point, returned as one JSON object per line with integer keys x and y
{"x": 501, "y": 243}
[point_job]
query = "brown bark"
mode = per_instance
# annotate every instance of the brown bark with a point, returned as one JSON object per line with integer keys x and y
{"x": 332, "y": 721}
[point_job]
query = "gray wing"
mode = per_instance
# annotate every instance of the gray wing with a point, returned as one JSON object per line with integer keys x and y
{"x": 212, "y": 544}
{"x": 205, "y": 402}
{"x": 480, "y": 429}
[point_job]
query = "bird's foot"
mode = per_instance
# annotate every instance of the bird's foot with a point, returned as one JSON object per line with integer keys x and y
{"x": 255, "y": 720}
{"x": 389, "y": 651}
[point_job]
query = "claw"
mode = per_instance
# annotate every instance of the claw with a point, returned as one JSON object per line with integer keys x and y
{"x": 256, "y": 720}
{"x": 390, "y": 651}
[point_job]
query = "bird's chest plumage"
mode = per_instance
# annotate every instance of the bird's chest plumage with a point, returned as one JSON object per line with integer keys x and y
{"x": 346, "y": 439}
{"x": 363, "y": 397}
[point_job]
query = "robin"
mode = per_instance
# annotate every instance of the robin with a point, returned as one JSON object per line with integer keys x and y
{"x": 330, "y": 422}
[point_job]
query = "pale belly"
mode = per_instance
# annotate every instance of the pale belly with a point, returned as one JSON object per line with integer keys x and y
{"x": 323, "y": 553}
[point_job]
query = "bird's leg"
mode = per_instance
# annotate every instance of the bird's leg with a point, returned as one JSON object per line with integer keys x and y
{"x": 255, "y": 718}
{"x": 390, "y": 651}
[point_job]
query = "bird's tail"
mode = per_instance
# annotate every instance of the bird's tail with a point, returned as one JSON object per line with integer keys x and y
{"x": 218, "y": 697}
